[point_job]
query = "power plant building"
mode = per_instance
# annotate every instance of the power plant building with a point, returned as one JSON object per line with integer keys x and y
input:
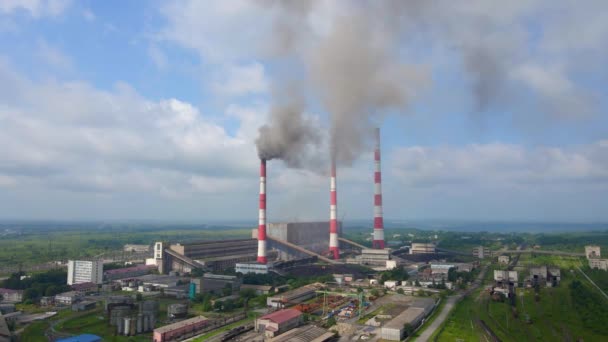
{"x": 85, "y": 271}
{"x": 422, "y": 248}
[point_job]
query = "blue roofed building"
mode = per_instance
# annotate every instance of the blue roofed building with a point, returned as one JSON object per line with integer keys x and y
{"x": 81, "y": 338}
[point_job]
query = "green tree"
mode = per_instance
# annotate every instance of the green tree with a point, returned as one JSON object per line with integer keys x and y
{"x": 400, "y": 291}
{"x": 139, "y": 297}
{"x": 330, "y": 322}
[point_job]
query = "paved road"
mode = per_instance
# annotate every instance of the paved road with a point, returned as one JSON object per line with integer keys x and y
{"x": 449, "y": 304}
{"x": 592, "y": 282}
{"x": 451, "y": 301}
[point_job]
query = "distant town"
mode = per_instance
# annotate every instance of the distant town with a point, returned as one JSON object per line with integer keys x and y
{"x": 423, "y": 285}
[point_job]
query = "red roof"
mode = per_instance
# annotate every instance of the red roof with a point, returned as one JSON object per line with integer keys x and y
{"x": 131, "y": 269}
{"x": 282, "y": 316}
{"x": 83, "y": 286}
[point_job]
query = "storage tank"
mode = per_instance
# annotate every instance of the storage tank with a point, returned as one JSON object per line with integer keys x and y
{"x": 127, "y": 322}
{"x": 140, "y": 323}
{"x": 118, "y": 313}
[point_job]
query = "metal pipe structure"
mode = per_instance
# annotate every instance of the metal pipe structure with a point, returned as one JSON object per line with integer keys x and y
{"x": 333, "y": 214}
{"x": 378, "y": 241}
{"x": 262, "y": 215}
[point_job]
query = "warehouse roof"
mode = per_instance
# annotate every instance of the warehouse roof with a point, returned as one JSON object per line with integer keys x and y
{"x": 180, "y": 324}
{"x": 282, "y": 316}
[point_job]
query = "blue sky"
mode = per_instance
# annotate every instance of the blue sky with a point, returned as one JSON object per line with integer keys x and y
{"x": 150, "y": 110}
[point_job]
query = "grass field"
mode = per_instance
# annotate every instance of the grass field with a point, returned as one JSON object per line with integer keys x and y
{"x": 554, "y": 317}
{"x": 35, "y": 332}
{"x": 94, "y": 323}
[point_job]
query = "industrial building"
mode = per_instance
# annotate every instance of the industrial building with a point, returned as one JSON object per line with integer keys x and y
{"x": 213, "y": 283}
{"x": 600, "y": 264}
{"x": 251, "y": 267}
{"x": 373, "y": 257}
{"x": 482, "y": 252}
{"x": 84, "y": 305}
{"x": 503, "y": 259}
{"x": 544, "y": 275}
{"x": 68, "y": 298}
{"x": 423, "y": 248}
{"x": 136, "y": 248}
{"x": 506, "y": 280}
{"x": 180, "y": 330}
{"x": 307, "y": 333}
{"x": 293, "y": 297}
{"x": 128, "y": 272}
{"x": 592, "y": 252}
{"x": 394, "y": 330}
{"x": 5, "y": 332}
{"x": 81, "y": 338}
{"x": 258, "y": 289}
{"x": 278, "y": 322}
{"x": 83, "y": 271}
{"x": 308, "y": 235}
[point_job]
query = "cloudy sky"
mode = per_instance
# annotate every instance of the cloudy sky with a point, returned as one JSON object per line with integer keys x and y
{"x": 150, "y": 110}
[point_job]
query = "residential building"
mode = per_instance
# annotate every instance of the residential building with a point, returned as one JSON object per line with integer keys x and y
{"x": 83, "y": 271}
{"x": 503, "y": 259}
{"x": 422, "y": 248}
{"x": 278, "y": 322}
{"x": 181, "y": 329}
{"x": 251, "y": 267}
{"x": 10, "y": 295}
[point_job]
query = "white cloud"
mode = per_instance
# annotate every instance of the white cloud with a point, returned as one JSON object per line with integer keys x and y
{"x": 501, "y": 166}
{"x": 36, "y": 8}
{"x": 237, "y": 80}
{"x": 158, "y": 56}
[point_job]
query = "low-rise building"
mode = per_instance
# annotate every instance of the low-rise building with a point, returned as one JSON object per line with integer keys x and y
{"x": 251, "y": 267}
{"x": 10, "y": 295}
{"x": 293, "y": 297}
{"x": 544, "y": 275}
{"x": 213, "y": 283}
{"x": 503, "y": 259}
{"x": 422, "y": 248}
{"x": 181, "y": 329}
{"x": 84, "y": 305}
{"x": 395, "y": 329}
{"x": 482, "y": 252}
{"x": 136, "y": 248}
{"x": 68, "y": 298}
{"x": 600, "y": 264}
{"x": 391, "y": 284}
{"x": 505, "y": 279}
{"x": 278, "y": 322}
{"x": 128, "y": 272}
{"x": 258, "y": 289}
{"x": 85, "y": 287}
{"x": 592, "y": 251}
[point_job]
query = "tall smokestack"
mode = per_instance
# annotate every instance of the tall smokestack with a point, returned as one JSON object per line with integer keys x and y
{"x": 262, "y": 215}
{"x": 333, "y": 213}
{"x": 378, "y": 220}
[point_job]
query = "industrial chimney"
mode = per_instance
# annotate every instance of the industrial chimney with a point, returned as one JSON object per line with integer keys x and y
{"x": 333, "y": 213}
{"x": 378, "y": 241}
{"x": 262, "y": 215}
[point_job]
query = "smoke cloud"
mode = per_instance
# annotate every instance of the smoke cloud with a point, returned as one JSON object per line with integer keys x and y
{"x": 358, "y": 61}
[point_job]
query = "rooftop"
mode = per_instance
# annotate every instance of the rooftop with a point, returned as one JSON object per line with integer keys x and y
{"x": 181, "y": 324}
{"x": 282, "y": 316}
{"x": 3, "y": 290}
{"x": 130, "y": 269}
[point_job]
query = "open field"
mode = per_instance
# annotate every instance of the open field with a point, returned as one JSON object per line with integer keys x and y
{"x": 556, "y": 315}
{"x": 34, "y": 245}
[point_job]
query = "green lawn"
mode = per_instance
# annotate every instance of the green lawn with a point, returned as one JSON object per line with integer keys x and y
{"x": 554, "y": 317}
{"x": 35, "y": 332}
{"x": 94, "y": 323}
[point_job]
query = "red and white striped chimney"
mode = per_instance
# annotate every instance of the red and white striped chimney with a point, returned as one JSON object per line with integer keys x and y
{"x": 378, "y": 241}
{"x": 262, "y": 215}
{"x": 333, "y": 213}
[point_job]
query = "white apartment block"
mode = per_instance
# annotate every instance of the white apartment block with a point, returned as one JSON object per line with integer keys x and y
{"x": 84, "y": 271}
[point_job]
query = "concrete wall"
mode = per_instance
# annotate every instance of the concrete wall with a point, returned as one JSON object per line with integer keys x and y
{"x": 310, "y": 235}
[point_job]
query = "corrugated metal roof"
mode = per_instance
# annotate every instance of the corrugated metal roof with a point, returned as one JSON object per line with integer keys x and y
{"x": 282, "y": 316}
